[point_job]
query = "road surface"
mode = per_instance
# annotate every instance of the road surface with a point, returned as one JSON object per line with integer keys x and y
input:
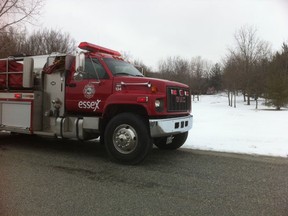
{"x": 43, "y": 176}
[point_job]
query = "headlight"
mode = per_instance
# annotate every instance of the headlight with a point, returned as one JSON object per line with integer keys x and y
{"x": 159, "y": 105}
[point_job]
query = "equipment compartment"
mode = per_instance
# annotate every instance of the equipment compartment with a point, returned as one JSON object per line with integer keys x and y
{"x": 15, "y": 114}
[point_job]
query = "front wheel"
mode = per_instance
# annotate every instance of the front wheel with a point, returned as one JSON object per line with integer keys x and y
{"x": 127, "y": 138}
{"x": 177, "y": 141}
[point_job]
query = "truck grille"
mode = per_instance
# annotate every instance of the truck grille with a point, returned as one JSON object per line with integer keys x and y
{"x": 178, "y": 99}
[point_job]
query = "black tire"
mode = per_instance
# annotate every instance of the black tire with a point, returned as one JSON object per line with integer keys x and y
{"x": 177, "y": 142}
{"x": 127, "y": 138}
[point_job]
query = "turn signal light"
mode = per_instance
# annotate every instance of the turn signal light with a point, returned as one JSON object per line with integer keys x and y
{"x": 154, "y": 89}
{"x": 142, "y": 99}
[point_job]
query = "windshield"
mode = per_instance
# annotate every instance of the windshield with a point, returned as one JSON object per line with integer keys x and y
{"x": 121, "y": 68}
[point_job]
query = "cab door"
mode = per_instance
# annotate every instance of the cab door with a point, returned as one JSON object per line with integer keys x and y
{"x": 88, "y": 96}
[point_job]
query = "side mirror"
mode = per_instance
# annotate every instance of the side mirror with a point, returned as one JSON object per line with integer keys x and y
{"x": 80, "y": 62}
{"x": 79, "y": 66}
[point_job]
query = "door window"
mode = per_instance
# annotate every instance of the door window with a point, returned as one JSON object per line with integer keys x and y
{"x": 94, "y": 70}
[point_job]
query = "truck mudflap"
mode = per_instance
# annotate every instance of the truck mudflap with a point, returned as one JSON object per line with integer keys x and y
{"x": 170, "y": 126}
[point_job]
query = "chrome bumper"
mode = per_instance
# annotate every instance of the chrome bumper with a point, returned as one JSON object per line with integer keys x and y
{"x": 170, "y": 126}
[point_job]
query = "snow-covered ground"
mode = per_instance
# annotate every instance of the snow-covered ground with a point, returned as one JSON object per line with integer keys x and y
{"x": 218, "y": 127}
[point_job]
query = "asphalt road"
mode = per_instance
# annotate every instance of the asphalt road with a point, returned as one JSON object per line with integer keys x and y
{"x": 54, "y": 177}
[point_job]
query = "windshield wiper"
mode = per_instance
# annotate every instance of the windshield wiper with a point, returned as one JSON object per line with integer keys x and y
{"x": 122, "y": 73}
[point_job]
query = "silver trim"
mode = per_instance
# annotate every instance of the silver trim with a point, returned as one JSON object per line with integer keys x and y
{"x": 170, "y": 126}
{"x": 148, "y": 84}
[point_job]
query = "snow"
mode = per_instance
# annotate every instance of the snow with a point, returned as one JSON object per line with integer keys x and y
{"x": 219, "y": 127}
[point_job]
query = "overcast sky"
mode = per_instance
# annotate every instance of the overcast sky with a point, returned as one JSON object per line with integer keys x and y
{"x": 151, "y": 30}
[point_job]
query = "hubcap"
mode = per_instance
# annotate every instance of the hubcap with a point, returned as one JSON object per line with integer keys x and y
{"x": 125, "y": 139}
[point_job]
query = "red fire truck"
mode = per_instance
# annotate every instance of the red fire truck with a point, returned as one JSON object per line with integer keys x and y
{"x": 92, "y": 94}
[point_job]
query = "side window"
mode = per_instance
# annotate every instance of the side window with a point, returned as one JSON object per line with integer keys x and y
{"x": 92, "y": 68}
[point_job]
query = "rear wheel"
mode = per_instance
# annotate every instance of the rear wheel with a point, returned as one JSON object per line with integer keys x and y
{"x": 166, "y": 143}
{"x": 127, "y": 138}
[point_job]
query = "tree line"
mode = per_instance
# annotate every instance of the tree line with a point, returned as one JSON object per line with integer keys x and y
{"x": 249, "y": 67}
{"x": 14, "y": 38}
{"x": 41, "y": 42}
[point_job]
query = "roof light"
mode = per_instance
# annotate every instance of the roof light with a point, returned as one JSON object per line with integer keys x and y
{"x": 95, "y": 48}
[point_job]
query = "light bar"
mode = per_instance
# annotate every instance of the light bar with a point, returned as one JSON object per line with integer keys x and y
{"x": 95, "y": 48}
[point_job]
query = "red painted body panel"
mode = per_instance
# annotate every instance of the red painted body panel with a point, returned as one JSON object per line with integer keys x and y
{"x": 130, "y": 93}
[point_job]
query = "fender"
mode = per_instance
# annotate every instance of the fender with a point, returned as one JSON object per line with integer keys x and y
{"x": 123, "y": 99}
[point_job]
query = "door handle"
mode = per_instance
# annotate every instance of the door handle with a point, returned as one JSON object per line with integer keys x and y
{"x": 72, "y": 85}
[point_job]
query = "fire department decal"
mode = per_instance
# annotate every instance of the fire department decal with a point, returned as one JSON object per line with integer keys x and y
{"x": 89, "y": 91}
{"x": 90, "y": 105}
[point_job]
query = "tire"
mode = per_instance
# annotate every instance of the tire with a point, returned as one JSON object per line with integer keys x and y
{"x": 127, "y": 138}
{"x": 177, "y": 142}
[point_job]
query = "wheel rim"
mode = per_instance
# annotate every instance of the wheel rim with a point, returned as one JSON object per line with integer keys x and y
{"x": 125, "y": 139}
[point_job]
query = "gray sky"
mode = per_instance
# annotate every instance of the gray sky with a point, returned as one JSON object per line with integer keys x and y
{"x": 151, "y": 30}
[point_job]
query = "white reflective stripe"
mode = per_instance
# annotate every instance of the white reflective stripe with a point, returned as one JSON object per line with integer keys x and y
{"x": 6, "y": 95}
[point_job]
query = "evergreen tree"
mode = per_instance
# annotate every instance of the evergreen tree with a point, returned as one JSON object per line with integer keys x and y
{"x": 216, "y": 77}
{"x": 277, "y": 80}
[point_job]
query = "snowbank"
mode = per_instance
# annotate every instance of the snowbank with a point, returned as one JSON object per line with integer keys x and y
{"x": 244, "y": 129}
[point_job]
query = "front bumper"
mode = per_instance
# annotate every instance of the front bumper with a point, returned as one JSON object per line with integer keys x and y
{"x": 170, "y": 126}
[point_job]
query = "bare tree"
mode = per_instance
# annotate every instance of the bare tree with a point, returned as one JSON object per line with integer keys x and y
{"x": 175, "y": 68}
{"x": 232, "y": 77}
{"x": 11, "y": 42}
{"x": 14, "y": 12}
{"x": 200, "y": 70}
{"x": 38, "y": 43}
{"x": 127, "y": 56}
{"x": 143, "y": 68}
{"x": 249, "y": 50}
{"x": 46, "y": 41}
{"x": 195, "y": 73}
